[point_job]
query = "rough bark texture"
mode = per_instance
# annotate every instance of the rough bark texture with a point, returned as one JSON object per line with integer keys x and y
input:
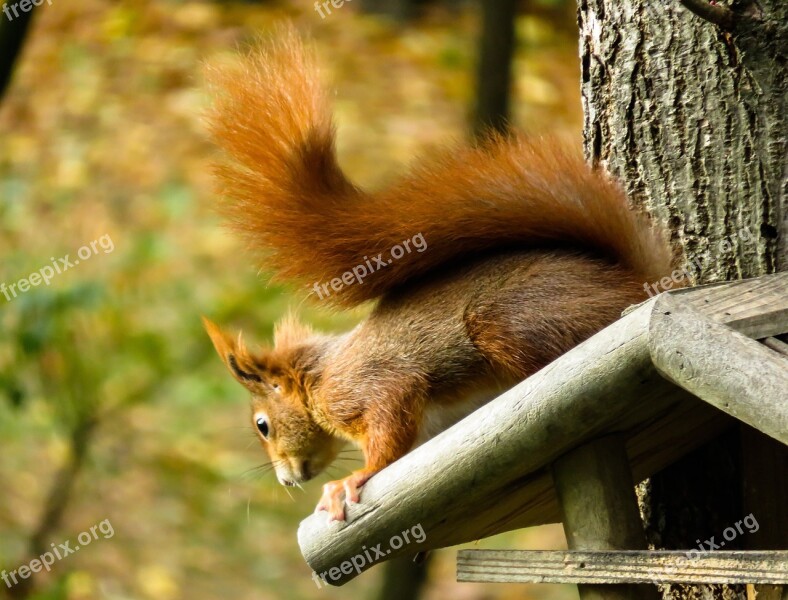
{"x": 691, "y": 119}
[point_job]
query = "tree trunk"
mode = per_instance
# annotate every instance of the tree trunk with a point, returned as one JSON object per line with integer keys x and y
{"x": 399, "y": 10}
{"x": 690, "y": 116}
{"x": 13, "y": 31}
{"x": 494, "y": 69}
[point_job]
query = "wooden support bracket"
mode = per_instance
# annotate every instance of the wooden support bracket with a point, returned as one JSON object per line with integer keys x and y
{"x": 718, "y": 365}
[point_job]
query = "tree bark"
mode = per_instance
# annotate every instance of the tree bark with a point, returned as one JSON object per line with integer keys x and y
{"x": 692, "y": 120}
{"x": 690, "y": 116}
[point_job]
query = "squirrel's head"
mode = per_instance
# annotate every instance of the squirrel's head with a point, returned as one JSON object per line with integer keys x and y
{"x": 280, "y": 381}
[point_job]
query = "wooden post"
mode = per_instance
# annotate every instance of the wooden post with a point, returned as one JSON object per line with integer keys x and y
{"x": 599, "y": 509}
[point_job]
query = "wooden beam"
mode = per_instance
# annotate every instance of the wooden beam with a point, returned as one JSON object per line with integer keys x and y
{"x": 728, "y": 370}
{"x": 757, "y": 308}
{"x": 622, "y": 567}
{"x": 599, "y": 509}
{"x": 765, "y": 488}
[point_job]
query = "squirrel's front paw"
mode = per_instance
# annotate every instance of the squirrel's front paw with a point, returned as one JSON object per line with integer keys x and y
{"x": 331, "y": 501}
{"x": 333, "y": 492}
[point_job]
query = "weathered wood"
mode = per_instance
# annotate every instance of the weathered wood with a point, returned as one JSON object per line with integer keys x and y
{"x": 776, "y": 345}
{"x": 621, "y": 567}
{"x": 722, "y": 367}
{"x": 691, "y": 120}
{"x": 756, "y": 307}
{"x": 487, "y": 474}
{"x": 675, "y": 522}
{"x": 599, "y": 509}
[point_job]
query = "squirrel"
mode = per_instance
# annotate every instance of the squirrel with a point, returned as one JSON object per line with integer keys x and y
{"x": 511, "y": 252}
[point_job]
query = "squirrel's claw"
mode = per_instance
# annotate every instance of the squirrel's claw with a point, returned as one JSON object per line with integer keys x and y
{"x": 333, "y": 492}
{"x": 331, "y": 501}
{"x": 351, "y": 490}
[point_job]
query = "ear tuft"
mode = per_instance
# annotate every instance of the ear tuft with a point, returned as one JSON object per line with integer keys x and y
{"x": 221, "y": 341}
{"x": 244, "y": 367}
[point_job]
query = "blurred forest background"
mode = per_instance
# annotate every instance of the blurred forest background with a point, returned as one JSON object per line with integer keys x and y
{"x": 113, "y": 404}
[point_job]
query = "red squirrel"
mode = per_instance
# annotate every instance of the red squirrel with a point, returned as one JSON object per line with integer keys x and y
{"x": 516, "y": 252}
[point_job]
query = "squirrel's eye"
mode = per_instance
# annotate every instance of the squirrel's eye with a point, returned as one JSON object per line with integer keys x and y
{"x": 262, "y": 427}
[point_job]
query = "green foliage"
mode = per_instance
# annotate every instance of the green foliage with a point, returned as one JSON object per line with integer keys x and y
{"x": 101, "y": 135}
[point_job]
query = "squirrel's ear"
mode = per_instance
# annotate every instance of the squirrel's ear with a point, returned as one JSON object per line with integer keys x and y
{"x": 244, "y": 367}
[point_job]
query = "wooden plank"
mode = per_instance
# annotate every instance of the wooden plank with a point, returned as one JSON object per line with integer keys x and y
{"x": 757, "y": 307}
{"x": 721, "y": 366}
{"x": 622, "y": 567}
{"x": 686, "y": 426}
{"x": 599, "y": 509}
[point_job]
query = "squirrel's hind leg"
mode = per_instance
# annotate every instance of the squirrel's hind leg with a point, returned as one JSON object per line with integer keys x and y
{"x": 545, "y": 309}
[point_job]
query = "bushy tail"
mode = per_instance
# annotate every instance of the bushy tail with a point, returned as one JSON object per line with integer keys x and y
{"x": 286, "y": 192}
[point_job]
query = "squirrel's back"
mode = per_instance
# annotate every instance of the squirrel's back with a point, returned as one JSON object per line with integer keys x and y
{"x": 284, "y": 189}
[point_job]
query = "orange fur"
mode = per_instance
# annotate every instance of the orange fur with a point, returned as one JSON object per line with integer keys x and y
{"x": 551, "y": 253}
{"x": 285, "y": 191}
